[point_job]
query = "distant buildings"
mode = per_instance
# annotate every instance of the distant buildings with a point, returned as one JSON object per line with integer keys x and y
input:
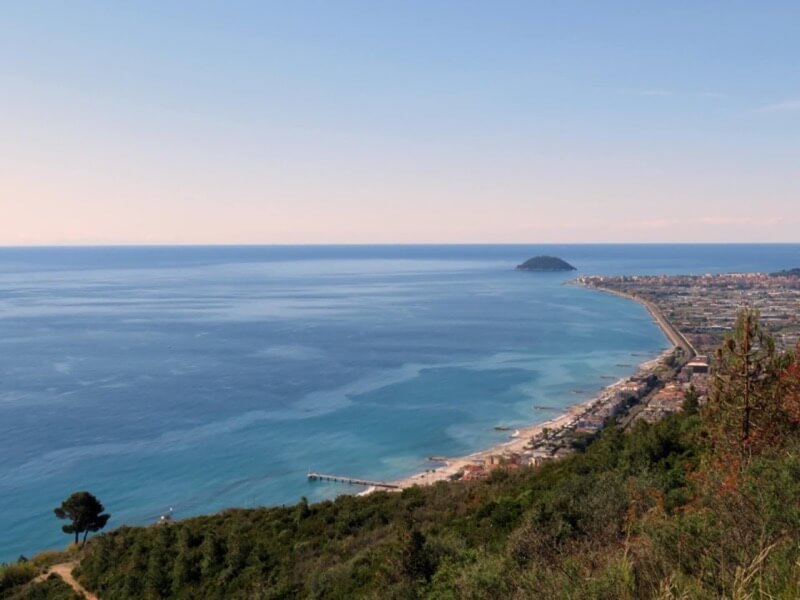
{"x": 698, "y": 365}
{"x": 704, "y": 307}
{"x": 668, "y": 399}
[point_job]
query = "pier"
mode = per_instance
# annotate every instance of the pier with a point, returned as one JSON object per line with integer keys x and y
{"x": 312, "y": 476}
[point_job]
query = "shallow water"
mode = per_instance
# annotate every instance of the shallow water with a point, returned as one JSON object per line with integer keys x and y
{"x": 203, "y": 378}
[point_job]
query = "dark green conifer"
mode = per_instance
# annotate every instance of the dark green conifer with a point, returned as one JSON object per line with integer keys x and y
{"x": 85, "y": 513}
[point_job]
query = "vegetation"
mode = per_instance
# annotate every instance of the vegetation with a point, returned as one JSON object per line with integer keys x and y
{"x": 703, "y": 504}
{"x": 747, "y": 413}
{"x": 85, "y": 513}
{"x": 18, "y": 582}
{"x": 52, "y": 588}
{"x": 545, "y": 263}
{"x": 15, "y": 575}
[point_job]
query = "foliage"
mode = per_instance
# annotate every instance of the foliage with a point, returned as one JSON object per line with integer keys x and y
{"x": 85, "y": 513}
{"x": 14, "y": 575}
{"x": 16, "y": 578}
{"x": 745, "y": 409}
{"x": 691, "y": 401}
{"x": 52, "y": 588}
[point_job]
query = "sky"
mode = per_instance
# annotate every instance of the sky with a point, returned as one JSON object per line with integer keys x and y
{"x": 190, "y": 122}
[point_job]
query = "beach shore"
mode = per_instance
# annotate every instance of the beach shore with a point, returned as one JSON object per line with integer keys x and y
{"x": 676, "y": 338}
{"x": 524, "y": 436}
{"x": 515, "y": 445}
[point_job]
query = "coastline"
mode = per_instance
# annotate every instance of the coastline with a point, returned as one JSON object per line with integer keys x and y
{"x": 676, "y": 338}
{"x": 525, "y": 437}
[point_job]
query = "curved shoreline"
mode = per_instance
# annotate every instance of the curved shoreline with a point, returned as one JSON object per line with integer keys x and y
{"x": 527, "y": 434}
{"x": 676, "y": 338}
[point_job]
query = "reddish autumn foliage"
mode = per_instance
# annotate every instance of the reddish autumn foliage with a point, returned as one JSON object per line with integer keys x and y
{"x": 791, "y": 383}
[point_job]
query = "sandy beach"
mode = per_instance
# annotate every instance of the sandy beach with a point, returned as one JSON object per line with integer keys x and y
{"x": 514, "y": 445}
{"x": 519, "y": 442}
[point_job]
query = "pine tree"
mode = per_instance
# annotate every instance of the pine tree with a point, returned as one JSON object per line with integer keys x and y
{"x": 134, "y": 578}
{"x": 744, "y": 408}
{"x": 157, "y": 582}
{"x": 239, "y": 547}
{"x": 212, "y": 555}
{"x": 416, "y": 557}
{"x": 691, "y": 401}
{"x": 85, "y": 513}
{"x": 183, "y": 569}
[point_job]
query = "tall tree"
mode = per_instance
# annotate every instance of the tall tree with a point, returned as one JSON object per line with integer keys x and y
{"x": 745, "y": 408}
{"x": 212, "y": 555}
{"x": 416, "y": 557}
{"x": 691, "y": 401}
{"x": 85, "y": 513}
{"x": 184, "y": 568}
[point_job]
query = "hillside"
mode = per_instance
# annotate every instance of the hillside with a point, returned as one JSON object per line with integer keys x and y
{"x": 683, "y": 508}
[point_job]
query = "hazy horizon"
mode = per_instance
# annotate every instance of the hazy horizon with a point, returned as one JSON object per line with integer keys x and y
{"x": 379, "y": 244}
{"x": 361, "y": 123}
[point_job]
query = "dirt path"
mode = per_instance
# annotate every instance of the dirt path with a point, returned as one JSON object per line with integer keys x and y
{"x": 64, "y": 570}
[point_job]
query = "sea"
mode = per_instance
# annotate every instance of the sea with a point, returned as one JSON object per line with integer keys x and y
{"x": 194, "y": 379}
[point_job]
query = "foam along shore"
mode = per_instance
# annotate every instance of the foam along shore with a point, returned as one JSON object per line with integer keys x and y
{"x": 548, "y": 440}
{"x": 517, "y": 445}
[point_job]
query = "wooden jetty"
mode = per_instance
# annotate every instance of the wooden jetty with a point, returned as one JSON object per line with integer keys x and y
{"x": 312, "y": 476}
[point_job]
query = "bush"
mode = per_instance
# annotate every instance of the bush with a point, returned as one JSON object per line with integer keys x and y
{"x": 13, "y": 575}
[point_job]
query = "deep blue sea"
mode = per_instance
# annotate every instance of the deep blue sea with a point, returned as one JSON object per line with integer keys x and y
{"x": 201, "y": 378}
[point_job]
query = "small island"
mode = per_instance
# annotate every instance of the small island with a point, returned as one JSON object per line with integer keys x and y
{"x": 545, "y": 264}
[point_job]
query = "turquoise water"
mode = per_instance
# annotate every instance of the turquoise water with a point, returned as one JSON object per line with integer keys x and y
{"x": 203, "y": 378}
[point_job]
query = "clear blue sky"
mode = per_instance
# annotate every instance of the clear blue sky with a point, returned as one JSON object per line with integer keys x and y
{"x": 315, "y": 122}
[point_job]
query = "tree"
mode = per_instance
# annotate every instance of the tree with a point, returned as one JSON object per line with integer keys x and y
{"x": 416, "y": 559}
{"x": 86, "y": 513}
{"x": 745, "y": 411}
{"x": 791, "y": 383}
{"x": 185, "y": 565}
{"x": 302, "y": 510}
{"x": 212, "y": 555}
{"x": 691, "y": 401}
{"x": 157, "y": 579}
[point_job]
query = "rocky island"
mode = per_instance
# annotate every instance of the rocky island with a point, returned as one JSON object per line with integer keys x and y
{"x": 545, "y": 264}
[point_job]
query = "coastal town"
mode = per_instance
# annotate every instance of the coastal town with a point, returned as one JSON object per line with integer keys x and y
{"x": 703, "y": 307}
{"x": 695, "y": 313}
